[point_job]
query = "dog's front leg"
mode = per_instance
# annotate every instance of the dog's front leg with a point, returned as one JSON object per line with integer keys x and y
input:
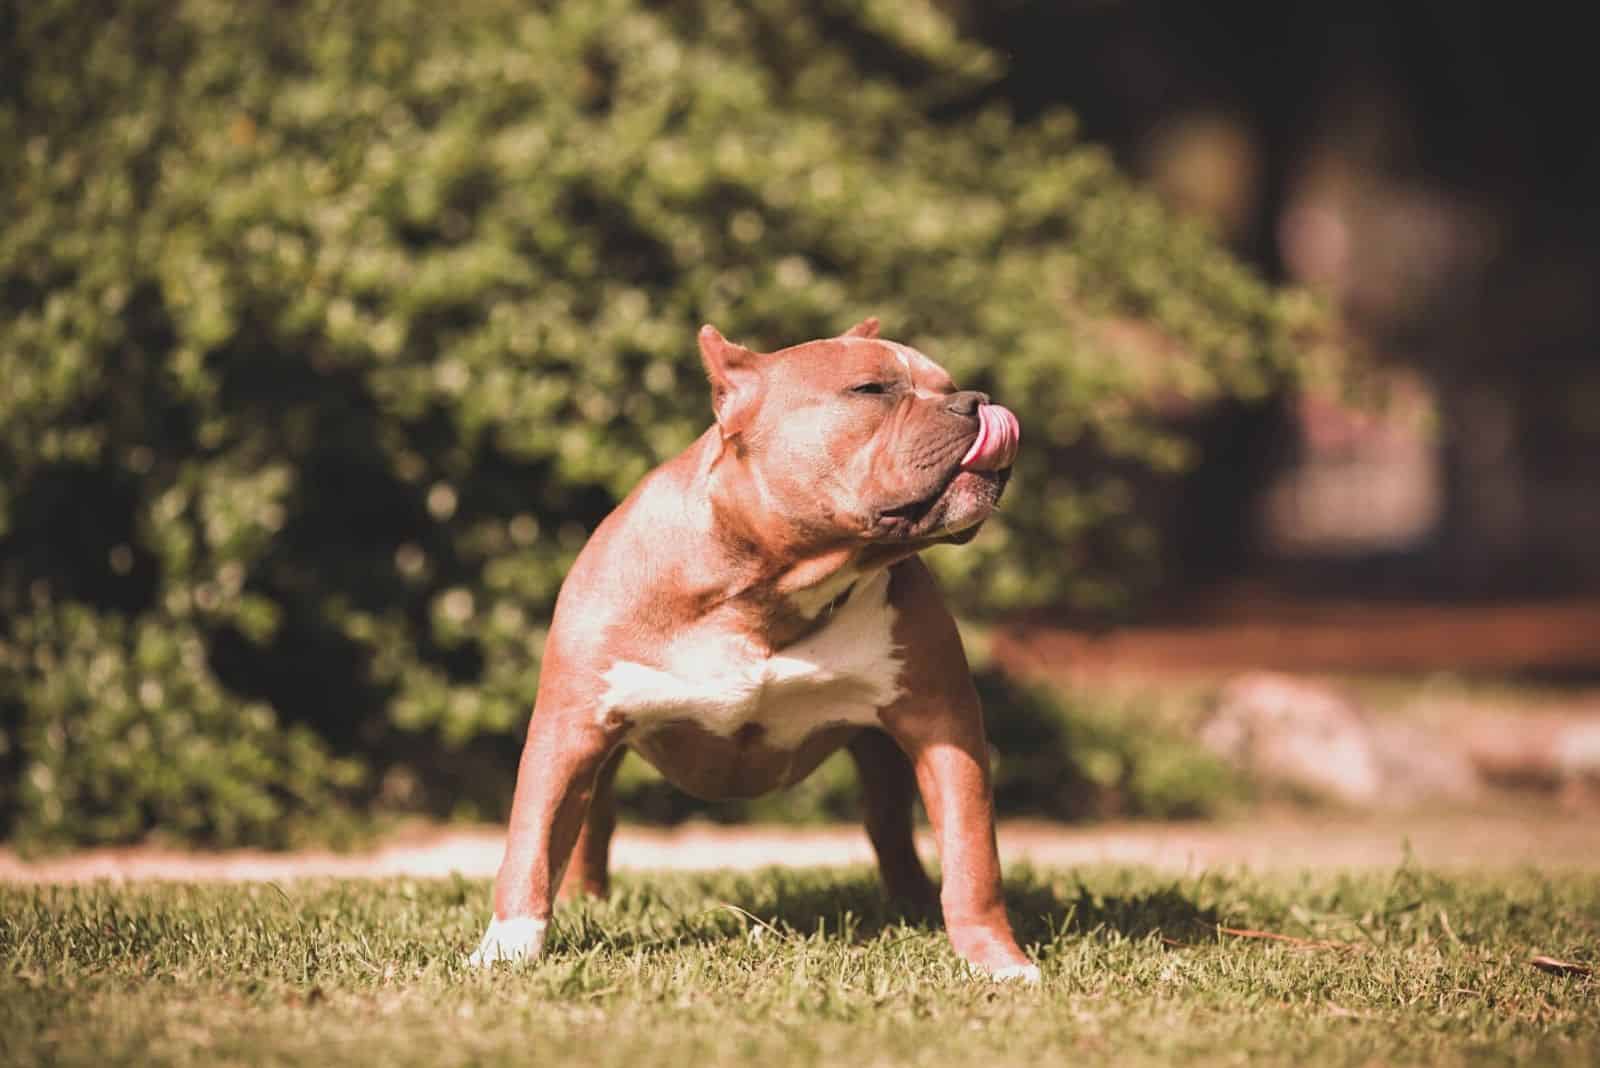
{"x": 938, "y": 722}
{"x": 947, "y": 749}
{"x": 564, "y": 753}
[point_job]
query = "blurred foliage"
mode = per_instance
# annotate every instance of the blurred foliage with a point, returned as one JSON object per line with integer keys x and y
{"x": 328, "y": 330}
{"x": 127, "y": 731}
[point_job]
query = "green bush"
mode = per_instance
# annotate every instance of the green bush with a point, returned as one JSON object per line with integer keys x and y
{"x": 113, "y": 752}
{"x": 328, "y": 330}
{"x": 1076, "y": 755}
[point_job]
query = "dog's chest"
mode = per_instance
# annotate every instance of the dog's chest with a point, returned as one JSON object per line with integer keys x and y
{"x": 842, "y": 674}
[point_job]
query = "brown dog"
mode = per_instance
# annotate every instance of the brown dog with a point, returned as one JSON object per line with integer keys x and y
{"x": 756, "y": 604}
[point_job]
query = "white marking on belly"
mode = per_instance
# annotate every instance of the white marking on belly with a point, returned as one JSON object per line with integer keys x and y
{"x": 842, "y": 674}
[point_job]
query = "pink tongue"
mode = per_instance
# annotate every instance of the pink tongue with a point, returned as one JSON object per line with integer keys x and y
{"x": 996, "y": 444}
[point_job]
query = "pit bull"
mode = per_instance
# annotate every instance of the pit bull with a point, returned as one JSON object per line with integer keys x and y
{"x": 756, "y": 604}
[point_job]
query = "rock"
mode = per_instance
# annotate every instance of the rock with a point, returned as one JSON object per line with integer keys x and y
{"x": 1298, "y": 736}
{"x": 1549, "y": 750}
{"x": 1578, "y": 750}
{"x": 1420, "y": 764}
{"x": 1309, "y": 738}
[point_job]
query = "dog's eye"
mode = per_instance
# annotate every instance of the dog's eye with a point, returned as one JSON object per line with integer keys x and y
{"x": 871, "y": 389}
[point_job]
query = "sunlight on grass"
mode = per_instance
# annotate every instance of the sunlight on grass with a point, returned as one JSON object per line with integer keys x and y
{"x": 801, "y": 967}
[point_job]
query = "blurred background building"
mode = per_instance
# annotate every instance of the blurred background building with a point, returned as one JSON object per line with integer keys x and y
{"x": 1428, "y": 167}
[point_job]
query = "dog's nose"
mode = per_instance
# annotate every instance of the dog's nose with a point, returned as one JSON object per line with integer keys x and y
{"x": 966, "y": 403}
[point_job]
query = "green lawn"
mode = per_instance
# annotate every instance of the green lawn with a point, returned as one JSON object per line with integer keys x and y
{"x": 800, "y": 967}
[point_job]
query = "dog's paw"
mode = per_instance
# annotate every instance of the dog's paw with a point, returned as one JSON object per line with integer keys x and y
{"x": 1016, "y": 973}
{"x": 510, "y": 940}
{"x": 1008, "y": 969}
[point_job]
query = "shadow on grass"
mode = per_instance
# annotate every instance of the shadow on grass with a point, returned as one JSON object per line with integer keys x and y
{"x": 1042, "y": 912}
{"x": 856, "y": 909}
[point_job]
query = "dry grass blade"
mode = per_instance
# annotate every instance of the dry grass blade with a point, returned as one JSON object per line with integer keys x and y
{"x": 1273, "y": 936}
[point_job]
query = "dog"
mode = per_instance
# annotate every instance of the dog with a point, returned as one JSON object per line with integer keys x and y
{"x": 756, "y": 604}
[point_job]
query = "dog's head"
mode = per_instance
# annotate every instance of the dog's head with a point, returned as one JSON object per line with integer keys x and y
{"x": 857, "y": 437}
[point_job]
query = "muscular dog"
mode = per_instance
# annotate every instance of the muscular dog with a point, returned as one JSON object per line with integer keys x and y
{"x": 758, "y": 603}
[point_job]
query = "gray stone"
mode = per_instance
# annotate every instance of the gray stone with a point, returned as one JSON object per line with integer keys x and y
{"x": 1297, "y": 736}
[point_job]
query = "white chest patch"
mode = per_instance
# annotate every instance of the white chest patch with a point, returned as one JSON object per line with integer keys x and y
{"x": 842, "y": 674}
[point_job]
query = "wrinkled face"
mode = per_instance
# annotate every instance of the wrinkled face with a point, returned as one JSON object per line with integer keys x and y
{"x": 865, "y": 437}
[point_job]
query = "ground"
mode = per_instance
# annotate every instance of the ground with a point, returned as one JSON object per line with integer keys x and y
{"x": 805, "y": 966}
{"x": 1531, "y": 833}
{"x": 1284, "y": 935}
{"x": 1242, "y": 628}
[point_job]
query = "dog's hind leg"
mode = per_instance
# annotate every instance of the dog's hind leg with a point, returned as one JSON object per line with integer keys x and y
{"x": 888, "y": 792}
{"x": 589, "y": 872}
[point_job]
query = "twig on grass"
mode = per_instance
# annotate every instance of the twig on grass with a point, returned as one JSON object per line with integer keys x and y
{"x": 1273, "y": 936}
{"x": 1560, "y": 967}
{"x": 1270, "y": 936}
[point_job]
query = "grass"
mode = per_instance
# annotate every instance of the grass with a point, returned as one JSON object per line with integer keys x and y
{"x": 808, "y": 967}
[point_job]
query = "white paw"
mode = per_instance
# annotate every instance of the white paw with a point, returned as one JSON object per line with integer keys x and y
{"x": 518, "y": 939}
{"x": 1016, "y": 973}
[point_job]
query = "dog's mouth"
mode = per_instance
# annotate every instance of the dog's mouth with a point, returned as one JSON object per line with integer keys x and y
{"x": 969, "y": 490}
{"x": 899, "y": 520}
{"x": 954, "y": 510}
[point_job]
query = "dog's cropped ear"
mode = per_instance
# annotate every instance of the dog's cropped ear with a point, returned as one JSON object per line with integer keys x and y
{"x": 867, "y": 327}
{"x": 735, "y": 385}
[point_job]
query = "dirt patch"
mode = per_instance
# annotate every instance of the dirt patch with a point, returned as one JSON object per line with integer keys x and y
{"x": 1241, "y": 632}
{"x": 1278, "y": 842}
